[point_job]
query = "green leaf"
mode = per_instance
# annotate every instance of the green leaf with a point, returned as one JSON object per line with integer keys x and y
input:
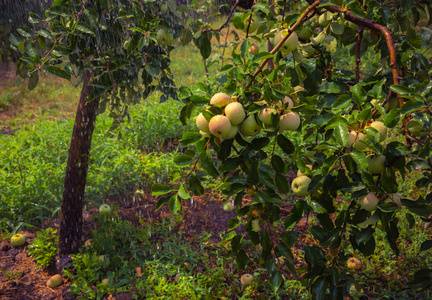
{"x": 281, "y": 183}
{"x": 183, "y": 193}
{"x": 277, "y": 163}
{"x": 319, "y": 288}
{"x": 31, "y": 50}
{"x": 285, "y": 144}
{"x": 276, "y": 280}
{"x": 359, "y": 94}
{"x": 261, "y": 56}
{"x": 412, "y": 106}
{"x": 160, "y": 189}
{"x": 242, "y": 259}
{"x": 175, "y": 205}
{"x": 204, "y": 46}
{"x": 162, "y": 201}
{"x": 360, "y": 158}
{"x": 183, "y": 160}
{"x": 58, "y": 72}
{"x": 34, "y": 78}
{"x": 84, "y": 28}
{"x": 426, "y": 245}
{"x": 194, "y": 184}
{"x": 340, "y": 132}
{"x": 207, "y": 164}
{"x": 401, "y": 90}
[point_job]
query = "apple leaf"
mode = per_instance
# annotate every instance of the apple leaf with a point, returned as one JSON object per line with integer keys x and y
{"x": 183, "y": 160}
{"x": 359, "y": 94}
{"x": 175, "y": 204}
{"x": 242, "y": 259}
{"x": 160, "y": 189}
{"x": 276, "y": 280}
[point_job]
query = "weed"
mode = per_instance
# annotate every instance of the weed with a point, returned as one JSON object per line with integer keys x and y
{"x": 44, "y": 247}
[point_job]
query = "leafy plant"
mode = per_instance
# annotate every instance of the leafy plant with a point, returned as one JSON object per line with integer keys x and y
{"x": 44, "y": 248}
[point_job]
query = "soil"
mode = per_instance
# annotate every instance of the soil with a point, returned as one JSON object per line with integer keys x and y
{"x": 20, "y": 278}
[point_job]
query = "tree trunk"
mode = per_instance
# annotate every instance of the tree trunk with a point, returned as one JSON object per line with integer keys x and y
{"x": 71, "y": 218}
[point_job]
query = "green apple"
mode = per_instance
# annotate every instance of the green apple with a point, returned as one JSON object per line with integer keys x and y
{"x": 256, "y": 226}
{"x": 55, "y": 281}
{"x": 300, "y": 185}
{"x": 105, "y": 209}
{"x": 289, "y": 45}
{"x": 253, "y": 49}
{"x": 305, "y": 33}
{"x": 235, "y": 112}
{"x": 355, "y": 293}
{"x": 220, "y": 99}
{"x": 17, "y": 240}
{"x": 246, "y": 279}
{"x": 249, "y": 127}
{"x": 381, "y": 128}
{"x": 353, "y": 263}
{"x": 202, "y": 123}
{"x": 376, "y": 164}
{"x": 219, "y": 125}
{"x": 289, "y": 121}
{"x": 265, "y": 115}
{"x": 289, "y": 101}
{"x": 300, "y": 173}
{"x": 375, "y": 102}
{"x": 228, "y": 207}
{"x": 164, "y": 37}
{"x": 104, "y": 260}
{"x": 357, "y": 137}
{"x": 370, "y": 202}
{"x": 231, "y": 133}
{"x": 254, "y": 23}
{"x": 325, "y": 19}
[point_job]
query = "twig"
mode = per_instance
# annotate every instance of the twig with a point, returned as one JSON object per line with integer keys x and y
{"x": 316, "y": 10}
{"x": 225, "y": 45}
{"x": 357, "y": 63}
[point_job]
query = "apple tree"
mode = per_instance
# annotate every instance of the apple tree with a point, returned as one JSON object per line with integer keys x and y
{"x": 119, "y": 50}
{"x": 351, "y": 134}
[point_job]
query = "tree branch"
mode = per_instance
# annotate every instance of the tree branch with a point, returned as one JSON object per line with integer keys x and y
{"x": 391, "y": 48}
{"x": 357, "y": 63}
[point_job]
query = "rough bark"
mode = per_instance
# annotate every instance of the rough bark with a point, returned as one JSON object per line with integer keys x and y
{"x": 71, "y": 218}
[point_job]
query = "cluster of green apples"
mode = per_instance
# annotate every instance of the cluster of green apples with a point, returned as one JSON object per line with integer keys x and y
{"x": 251, "y": 24}
{"x": 234, "y": 119}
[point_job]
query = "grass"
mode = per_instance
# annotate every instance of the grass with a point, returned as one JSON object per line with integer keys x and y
{"x": 32, "y": 192}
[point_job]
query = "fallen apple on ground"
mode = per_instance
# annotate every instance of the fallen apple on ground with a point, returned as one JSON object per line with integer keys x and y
{"x": 17, "y": 240}
{"x": 55, "y": 281}
{"x": 105, "y": 209}
{"x": 246, "y": 279}
{"x": 353, "y": 263}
